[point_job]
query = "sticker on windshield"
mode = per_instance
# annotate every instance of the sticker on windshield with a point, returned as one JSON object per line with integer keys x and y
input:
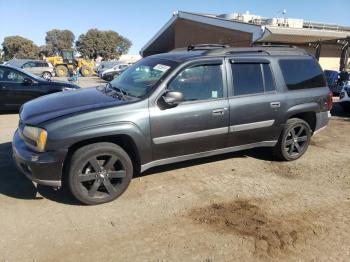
{"x": 162, "y": 68}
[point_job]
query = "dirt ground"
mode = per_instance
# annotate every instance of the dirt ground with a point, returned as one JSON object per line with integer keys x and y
{"x": 243, "y": 206}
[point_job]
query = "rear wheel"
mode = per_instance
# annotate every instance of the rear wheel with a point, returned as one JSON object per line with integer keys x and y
{"x": 99, "y": 173}
{"x": 294, "y": 140}
{"x": 61, "y": 71}
{"x": 86, "y": 71}
{"x": 47, "y": 75}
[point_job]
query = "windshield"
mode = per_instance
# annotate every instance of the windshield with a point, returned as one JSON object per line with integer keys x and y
{"x": 140, "y": 78}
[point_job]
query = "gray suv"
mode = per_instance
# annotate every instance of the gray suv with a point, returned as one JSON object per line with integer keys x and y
{"x": 168, "y": 108}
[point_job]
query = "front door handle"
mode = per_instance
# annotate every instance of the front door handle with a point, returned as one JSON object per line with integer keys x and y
{"x": 275, "y": 104}
{"x": 218, "y": 112}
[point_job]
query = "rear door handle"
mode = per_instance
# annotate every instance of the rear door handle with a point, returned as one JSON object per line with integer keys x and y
{"x": 218, "y": 112}
{"x": 275, "y": 104}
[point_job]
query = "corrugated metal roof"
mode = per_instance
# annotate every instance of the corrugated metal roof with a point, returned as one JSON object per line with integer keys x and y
{"x": 260, "y": 33}
{"x": 300, "y": 35}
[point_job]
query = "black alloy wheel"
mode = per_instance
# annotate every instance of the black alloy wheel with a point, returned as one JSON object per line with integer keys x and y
{"x": 294, "y": 140}
{"x": 99, "y": 173}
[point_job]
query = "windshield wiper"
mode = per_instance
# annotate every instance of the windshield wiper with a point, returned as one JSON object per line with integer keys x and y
{"x": 120, "y": 92}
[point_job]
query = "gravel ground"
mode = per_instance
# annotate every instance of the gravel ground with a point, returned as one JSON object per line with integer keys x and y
{"x": 237, "y": 207}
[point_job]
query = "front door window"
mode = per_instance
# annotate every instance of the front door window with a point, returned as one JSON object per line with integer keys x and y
{"x": 201, "y": 82}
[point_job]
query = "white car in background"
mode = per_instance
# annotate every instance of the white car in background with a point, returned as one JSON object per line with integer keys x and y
{"x": 109, "y": 74}
{"x": 344, "y": 97}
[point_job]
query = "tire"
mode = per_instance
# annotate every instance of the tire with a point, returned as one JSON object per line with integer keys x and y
{"x": 47, "y": 75}
{"x": 107, "y": 78}
{"x": 99, "y": 173}
{"x": 294, "y": 140}
{"x": 86, "y": 71}
{"x": 61, "y": 71}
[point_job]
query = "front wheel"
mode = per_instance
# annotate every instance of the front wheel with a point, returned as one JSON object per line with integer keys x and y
{"x": 294, "y": 140}
{"x": 86, "y": 71}
{"x": 99, "y": 173}
{"x": 61, "y": 71}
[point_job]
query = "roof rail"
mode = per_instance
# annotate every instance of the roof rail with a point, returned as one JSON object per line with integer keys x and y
{"x": 247, "y": 52}
{"x": 267, "y": 50}
{"x": 264, "y": 45}
{"x": 205, "y": 47}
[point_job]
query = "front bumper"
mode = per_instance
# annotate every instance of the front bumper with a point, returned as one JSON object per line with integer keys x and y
{"x": 43, "y": 168}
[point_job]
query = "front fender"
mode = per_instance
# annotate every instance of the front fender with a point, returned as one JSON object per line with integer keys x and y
{"x": 141, "y": 140}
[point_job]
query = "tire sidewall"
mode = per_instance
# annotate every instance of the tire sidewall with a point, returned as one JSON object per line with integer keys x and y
{"x": 290, "y": 125}
{"x": 81, "y": 156}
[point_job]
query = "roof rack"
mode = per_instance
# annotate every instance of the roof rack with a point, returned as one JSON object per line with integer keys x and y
{"x": 263, "y": 50}
{"x": 206, "y": 47}
{"x": 268, "y": 45}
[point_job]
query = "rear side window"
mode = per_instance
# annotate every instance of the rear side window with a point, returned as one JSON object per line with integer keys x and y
{"x": 251, "y": 78}
{"x": 302, "y": 74}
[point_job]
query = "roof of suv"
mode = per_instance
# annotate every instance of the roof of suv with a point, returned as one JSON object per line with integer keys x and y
{"x": 181, "y": 55}
{"x": 19, "y": 62}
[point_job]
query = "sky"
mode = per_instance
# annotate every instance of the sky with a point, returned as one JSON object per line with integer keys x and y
{"x": 139, "y": 20}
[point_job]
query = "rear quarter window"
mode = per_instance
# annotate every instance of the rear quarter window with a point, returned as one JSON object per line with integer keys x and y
{"x": 302, "y": 73}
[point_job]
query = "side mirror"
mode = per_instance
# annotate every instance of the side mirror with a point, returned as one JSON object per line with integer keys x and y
{"x": 27, "y": 81}
{"x": 173, "y": 98}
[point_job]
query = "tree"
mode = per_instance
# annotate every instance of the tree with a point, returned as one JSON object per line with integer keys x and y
{"x": 57, "y": 40}
{"x": 19, "y": 47}
{"x": 108, "y": 44}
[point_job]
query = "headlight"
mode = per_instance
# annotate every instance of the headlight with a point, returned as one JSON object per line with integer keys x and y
{"x": 36, "y": 135}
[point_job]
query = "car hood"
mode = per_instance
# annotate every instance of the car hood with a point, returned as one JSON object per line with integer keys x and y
{"x": 64, "y": 103}
{"x": 59, "y": 83}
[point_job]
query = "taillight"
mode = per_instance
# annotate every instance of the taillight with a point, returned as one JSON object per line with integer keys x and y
{"x": 330, "y": 101}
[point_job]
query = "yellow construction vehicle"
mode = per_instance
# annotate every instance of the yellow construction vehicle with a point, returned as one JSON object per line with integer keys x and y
{"x": 66, "y": 61}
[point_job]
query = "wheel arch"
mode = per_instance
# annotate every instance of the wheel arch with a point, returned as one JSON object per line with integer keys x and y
{"x": 306, "y": 112}
{"x": 126, "y": 142}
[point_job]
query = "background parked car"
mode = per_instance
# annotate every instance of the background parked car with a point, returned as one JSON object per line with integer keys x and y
{"x": 18, "y": 87}
{"x": 332, "y": 79}
{"x": 37, "y": 67}
{"x": 344, "y": 97}
{"x": 109, "y": 74}
{"x": 104, "y": 66}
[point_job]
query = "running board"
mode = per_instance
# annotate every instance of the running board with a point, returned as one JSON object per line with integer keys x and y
{"x": 171, "y": 160}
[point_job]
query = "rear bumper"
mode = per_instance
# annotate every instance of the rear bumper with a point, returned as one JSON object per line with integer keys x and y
{"x": 43, "y": 168}
{"x": 322, "y": 120}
